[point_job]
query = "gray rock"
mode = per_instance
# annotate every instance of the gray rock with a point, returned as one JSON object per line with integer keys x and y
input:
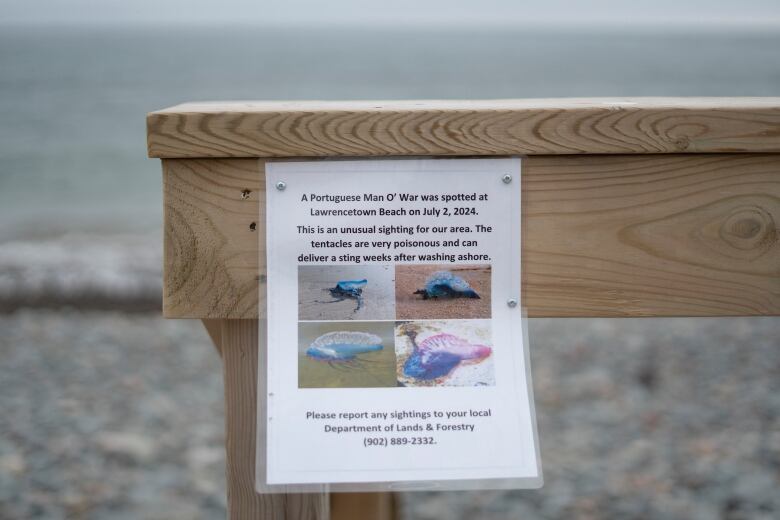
{"x": 132, "y": 446}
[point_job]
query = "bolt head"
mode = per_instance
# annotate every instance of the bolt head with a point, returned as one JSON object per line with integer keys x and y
{"x": 512, "y": 303}
{"x": 281, "y": 185}
{"x": 506, "y": 178}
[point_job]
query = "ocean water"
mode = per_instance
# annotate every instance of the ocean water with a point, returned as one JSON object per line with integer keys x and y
{"x": 73, "y": 99}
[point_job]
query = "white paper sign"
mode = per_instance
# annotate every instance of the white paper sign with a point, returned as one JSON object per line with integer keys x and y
{"x": 395, "y": 346}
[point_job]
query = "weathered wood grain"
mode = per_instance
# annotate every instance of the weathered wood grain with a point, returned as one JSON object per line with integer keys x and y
{"x": 641, "y": 235}
{"x": 652, "y": 236}
{"x": 239, "y": 354}
{"x": 211, "y": 264}
{"x": 500, "y": 127}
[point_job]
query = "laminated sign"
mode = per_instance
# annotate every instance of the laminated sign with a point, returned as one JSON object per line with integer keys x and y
{"x": 395, "y": 354}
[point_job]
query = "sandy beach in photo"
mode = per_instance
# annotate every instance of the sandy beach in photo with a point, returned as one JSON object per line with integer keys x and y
{"x": 411, "y": 278}
{"x": 321, "y": 298}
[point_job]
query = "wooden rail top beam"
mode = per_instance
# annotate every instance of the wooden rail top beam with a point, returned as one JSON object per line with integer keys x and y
{"x": 643, "y": 231}
{"x": 498, "y": 127}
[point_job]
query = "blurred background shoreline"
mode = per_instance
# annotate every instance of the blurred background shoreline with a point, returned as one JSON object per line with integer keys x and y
{"x": 80, "y": 204}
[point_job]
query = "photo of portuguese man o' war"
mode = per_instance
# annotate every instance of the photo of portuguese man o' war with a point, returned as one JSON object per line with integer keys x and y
{"x": 348, "y": 289}
{"x": 346, "y": 355}
{"x": 444, "y": 353}
{"x": 441, "y": 291}
{"x": 444, "y": 285}
{"x": 346, "y": 292}
{"x": 343, "y": 347}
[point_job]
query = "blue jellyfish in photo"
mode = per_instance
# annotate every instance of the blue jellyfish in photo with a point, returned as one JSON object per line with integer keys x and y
{"x": 444, "y": 284}
{"x": 348, "y": 289}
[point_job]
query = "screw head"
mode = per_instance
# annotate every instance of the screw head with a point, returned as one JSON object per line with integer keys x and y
{"x": 506, "y": 178}
{"x": 512, "y": 303}
{"x": 281, "y": 185}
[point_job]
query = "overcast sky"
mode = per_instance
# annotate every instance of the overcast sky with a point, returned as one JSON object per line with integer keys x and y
{"x": 397, "y": 12}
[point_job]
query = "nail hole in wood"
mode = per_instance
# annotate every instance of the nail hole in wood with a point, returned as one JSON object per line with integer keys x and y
{"x": 245, "y": 194}
{"x": 253, "y": 226}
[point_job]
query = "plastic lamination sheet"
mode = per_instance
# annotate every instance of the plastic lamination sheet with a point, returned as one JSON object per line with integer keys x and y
{"x": 394, "y": 355}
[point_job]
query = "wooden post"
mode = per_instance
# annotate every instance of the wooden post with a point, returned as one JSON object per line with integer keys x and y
{"x": 239, "y": 355}
{"x": 631, "y": 207}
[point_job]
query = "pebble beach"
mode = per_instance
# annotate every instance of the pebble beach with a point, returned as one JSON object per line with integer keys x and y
{"x": 120, "y": 415}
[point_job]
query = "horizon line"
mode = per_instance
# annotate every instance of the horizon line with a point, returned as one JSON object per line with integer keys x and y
{"x": 488, "y": 24}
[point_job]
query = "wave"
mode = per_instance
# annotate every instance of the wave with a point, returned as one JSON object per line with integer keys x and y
{"x": 117, "y": 272}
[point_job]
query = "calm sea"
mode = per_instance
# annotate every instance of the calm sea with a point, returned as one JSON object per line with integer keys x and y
{"x": 73, "y": 100}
